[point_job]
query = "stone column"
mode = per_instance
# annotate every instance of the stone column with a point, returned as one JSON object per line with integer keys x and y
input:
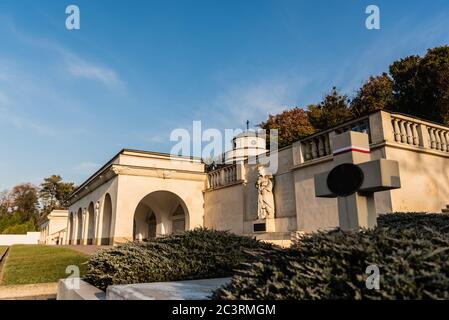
{"x": 85, "y": 226}
{"x": 98, "y": 224}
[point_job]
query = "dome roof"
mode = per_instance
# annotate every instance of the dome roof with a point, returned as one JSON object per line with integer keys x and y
{"x": 259, "y": 134}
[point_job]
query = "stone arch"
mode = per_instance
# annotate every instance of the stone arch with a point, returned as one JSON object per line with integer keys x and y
{"x": 90, "y": 224}
{"x": 106, "y": 221}
{"x": 79, "y": 226}
{"x": 159, "y": 213}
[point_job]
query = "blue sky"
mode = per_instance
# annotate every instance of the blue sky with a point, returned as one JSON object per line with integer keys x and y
{"x": 136, "y": 70}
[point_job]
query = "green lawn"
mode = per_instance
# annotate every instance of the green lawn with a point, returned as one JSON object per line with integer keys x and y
{"x": 2, "y": 250}
{"x": 28, "y": 264}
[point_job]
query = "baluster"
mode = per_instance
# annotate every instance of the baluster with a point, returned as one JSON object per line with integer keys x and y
{"x": 222, "y": 177}
{"x": 447, "y": 140}
{"x": 327, "y": 146}
{"x": 415, "y": 134}
{"x": 408, "y": 132}
{"x": 365, "y": 127}
{"x": 396, "y": 130}
{"x": 432, "y": 138}
{"x": 314, "y": 149}
{"x": 306, "y": 149}
{"x": 443, "y": 141}
{"x": 446, "y": 135}
{"x": 402, "y": 130}
{"x": 437, "y": 139}
{"x": 320, "y": 147}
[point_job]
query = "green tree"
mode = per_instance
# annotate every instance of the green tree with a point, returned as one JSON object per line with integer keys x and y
{"x": 54, "y": 192}
{"x": 375, "y": 94}
{"x": 9, "y": 220}
{"x": 20, "y": 228}
{"x": 25, "y": 201}
{"x": 332, "y": 111}
{"x": 292, "y": 124}
{"x": 421, "y": 85}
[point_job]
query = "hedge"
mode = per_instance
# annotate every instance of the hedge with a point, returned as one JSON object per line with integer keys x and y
{"x": 411, "y": 251}
{"x": 195, "y": 254}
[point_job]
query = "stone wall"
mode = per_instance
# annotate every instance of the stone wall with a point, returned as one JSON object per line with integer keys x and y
{"x": 420, "y": 147}
{"x": 11, "y": 239}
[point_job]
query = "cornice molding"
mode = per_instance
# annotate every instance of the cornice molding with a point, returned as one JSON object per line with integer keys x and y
{"x": 115, "y": 170}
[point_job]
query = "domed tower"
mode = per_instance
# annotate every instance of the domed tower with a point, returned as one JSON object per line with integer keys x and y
{"x": 246, "y": 144}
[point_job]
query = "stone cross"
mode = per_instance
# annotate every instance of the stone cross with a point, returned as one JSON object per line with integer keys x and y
{"x": 354, "y": 180}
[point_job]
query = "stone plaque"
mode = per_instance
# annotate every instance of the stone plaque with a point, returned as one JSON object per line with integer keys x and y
{"x": 260, "y": 227}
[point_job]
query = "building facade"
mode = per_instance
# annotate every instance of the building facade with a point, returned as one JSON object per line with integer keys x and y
{"x": 53, "y": 229}
{"x": 138, "y": 195}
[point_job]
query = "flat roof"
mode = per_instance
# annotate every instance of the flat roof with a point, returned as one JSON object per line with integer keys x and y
{"x": 126, "y": 150}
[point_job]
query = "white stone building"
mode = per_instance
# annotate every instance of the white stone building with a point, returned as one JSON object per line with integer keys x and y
{"x": 139, "y": 195}
{"x": 53, "y": 229}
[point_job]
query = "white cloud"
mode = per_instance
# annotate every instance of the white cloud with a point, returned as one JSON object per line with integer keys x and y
{"x": 83, "y": 69}
{"x": 255, "y": 101}
{"x": 75, "y": 65}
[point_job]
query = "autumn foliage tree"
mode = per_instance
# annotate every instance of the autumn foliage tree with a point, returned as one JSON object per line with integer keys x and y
{"x": 292, "y": 124}
{"x": 25, "y": 200}
{"x": 331, "y": 111}
{"x": 375, "y": 94}
{"x": 24, "y": 206}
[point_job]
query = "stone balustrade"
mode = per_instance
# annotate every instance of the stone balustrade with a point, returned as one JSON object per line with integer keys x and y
{"x": 438, "y": 138}
{"x": 381, "y": 126}
{"x": 316, "y": 147}
{"x": 319, "y": 145}
{"x": 224, "y": 176}
{"x": 405, "y": 130}
{"x": 419, "y": 133}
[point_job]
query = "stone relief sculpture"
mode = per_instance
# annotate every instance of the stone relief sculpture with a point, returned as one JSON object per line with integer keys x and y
{"x": 265, "y": 203}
